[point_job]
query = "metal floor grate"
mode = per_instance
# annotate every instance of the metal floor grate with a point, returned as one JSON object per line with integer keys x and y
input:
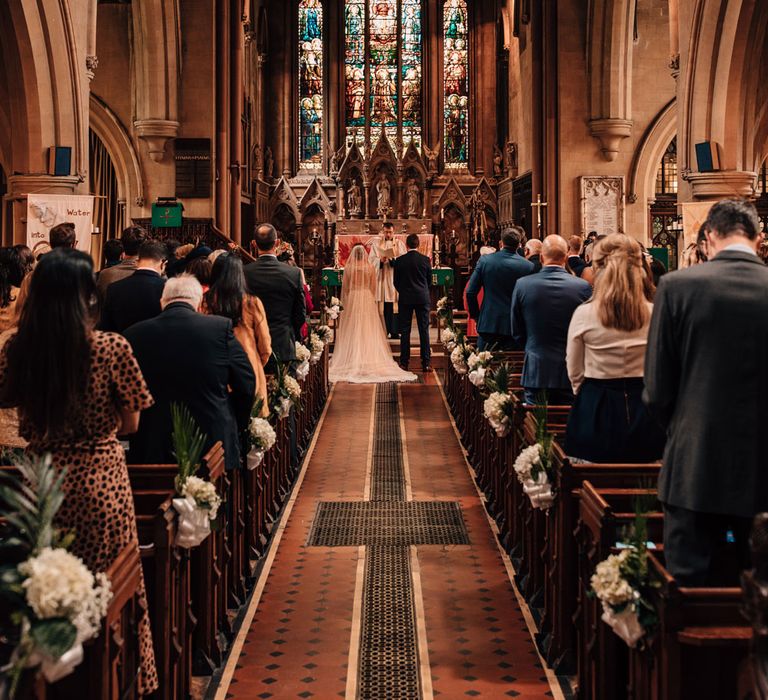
{"x": 389, "y": 668}
{"x": 387, "y": 473}
{"x": 384, "y": 523}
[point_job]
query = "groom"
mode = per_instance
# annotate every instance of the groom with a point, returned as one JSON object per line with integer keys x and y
{"x": 413, "y": 273}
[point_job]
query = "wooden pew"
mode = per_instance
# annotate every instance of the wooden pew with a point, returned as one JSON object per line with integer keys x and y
{"x": 603, "y": 658}
{"x": 166, "y": 575}
{"x": 701, "y": 648}
{"x": 558, "y": 553}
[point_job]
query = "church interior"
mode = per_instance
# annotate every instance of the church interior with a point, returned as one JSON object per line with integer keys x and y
{"x": 379, "y": 541}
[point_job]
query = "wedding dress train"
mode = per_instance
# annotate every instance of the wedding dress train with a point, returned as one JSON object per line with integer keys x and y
{"x": 362, "y": 354}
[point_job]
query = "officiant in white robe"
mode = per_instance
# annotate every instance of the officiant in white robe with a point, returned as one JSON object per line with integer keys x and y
{"x": 385, "y": 248}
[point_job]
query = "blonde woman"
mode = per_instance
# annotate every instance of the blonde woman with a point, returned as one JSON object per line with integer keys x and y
{"x": 605, "y": 356}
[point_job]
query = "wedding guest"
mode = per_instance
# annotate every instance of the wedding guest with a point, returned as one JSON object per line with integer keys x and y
{"x": 136, "y": 298}
{"x": 192, "y": 359}
{"x": 113, "y": 253}
{"x": 575, "y": 262}
{"x": 280, "y": 289}
{"x": 228, "y": 297}
{"x": 533, "y": 253}
{"x": 497, "y": 275}
{"x": 605, "y": 354}
{"x": 131, "y": 238}
{"x": 9, "y": 292}
{"x": 23, "y": 262}
{"x": 288, "y": 257}
{"x": 542, "y": 307}
{"x": 696, "y": 252}
{"x": 200, "y": 269}
{"x": 76, "y": 389}
{"x": 63, "y": 236}
{"x": 471, "y": 323}
{"x": 706, "y": 382}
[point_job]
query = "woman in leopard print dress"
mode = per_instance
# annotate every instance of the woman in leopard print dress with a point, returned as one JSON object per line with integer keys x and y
{"x": 76, "y": 389}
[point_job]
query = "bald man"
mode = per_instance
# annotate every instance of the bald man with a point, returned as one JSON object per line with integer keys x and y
{"x": 542, "y": 306}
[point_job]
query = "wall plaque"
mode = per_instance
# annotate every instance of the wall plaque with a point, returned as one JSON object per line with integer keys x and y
{"x": 602, "y": 205}
{"x": 193, "y": 168}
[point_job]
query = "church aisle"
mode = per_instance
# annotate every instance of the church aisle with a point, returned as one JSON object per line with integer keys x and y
{"x": 437, "y": 618}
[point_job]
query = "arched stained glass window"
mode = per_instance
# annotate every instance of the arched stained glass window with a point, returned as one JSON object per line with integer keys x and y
{"x": 382, "y": 63}
{"x": 456, "y": 82}
{"x": 666, "y": 175}
{"x": 310, "y": 83}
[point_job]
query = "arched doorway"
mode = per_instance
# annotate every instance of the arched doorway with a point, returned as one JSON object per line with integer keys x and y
{"x": 108, "y": 209}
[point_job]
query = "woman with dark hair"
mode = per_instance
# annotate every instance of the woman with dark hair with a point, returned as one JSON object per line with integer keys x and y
{"x": 228, "y": 297}
{"x": 76, "y": 389}
{"x": 200, "y": 268}
{"x": 9, "y": 288}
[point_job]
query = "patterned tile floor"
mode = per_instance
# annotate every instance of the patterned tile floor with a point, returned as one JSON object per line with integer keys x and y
{"x": 298, "y": 643}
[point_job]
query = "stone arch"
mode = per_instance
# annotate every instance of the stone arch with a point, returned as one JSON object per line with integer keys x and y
{"x": 642, "y": 175}
{"x": 722, "y": 94}
{"x": 125, "y": 159}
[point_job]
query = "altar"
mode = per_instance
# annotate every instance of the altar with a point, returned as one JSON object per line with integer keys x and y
{"x": 347, "y": 241}
{"x": 441, "y": 277}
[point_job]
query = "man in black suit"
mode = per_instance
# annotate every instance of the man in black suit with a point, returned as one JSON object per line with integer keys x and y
{"x": 136, "y": 298}
{"x": 706, "y": 381}
{"x": 280, "y": 288}
{"x": 192, "y": 359}
{"x": 413, "y": 274}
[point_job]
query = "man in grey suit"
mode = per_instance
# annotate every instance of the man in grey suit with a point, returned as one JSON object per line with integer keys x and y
{"x": 496, "y": 274}
{"x": 280, "y": 288}
{"x": 542, "y": 307}
{"x": 706, "y": 380}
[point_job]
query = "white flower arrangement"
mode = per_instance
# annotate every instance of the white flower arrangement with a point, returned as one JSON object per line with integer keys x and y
{"x": 56, "y": 602}
{"x": 262, "y": 437}
{"x": 477, "y": 362}
{"x": 58, "y": 586}
{"x": 334, "y": 308}
{"x": 497, "y": 409}
{"x": 324, "y": 333}
{"x": 316, "y": 346}
{"x": 302, "y": 352}
{"x": 449, "y": 339}
{"x": 203, "y": 493}
{"x": 292, "y": 387}
{"x": 459, "y": 356}
{"x": 442, "y": 303}
{"x": 532, "y": 474}
{"x": 620, "y": 600}
{"x": 283, "y": 407}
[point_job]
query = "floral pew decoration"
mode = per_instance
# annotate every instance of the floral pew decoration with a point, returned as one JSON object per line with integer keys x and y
{"x": 534, "y": 464}
{"x": 316, "y": 346}
{"x": 284, "y": 392}
{"x": 56, "y": 603}
{"x": 198, "y": 503}
{"x": 622, "y": 584}
{"x": 498, "y": 407}
{"x": 303, "y": 356}
{"x": 261, "y": 436}
{"x": 477, "y": 364}
{"x": 333, "y": 308}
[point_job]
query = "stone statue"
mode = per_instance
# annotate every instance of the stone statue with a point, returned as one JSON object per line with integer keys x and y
{"x": 353, "y": 199}
{"x": 432, "y": 156}
{"x": 269, "y": 163}
{"x": 511, "y": 158}
{"x": 498, "y": 162}
{"x": 335, "y": 158}
{"x": 383, "y": 190}
{"x": 413, "y": 195}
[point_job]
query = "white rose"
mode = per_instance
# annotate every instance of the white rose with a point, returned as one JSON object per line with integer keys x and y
{"x": 262, "y": 433}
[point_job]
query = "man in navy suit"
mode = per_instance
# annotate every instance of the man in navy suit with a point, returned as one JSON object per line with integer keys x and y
{"x": 542, "y": 306}
{"x": 413, "y": 274}
{"x": 497, "y": 274}
{"x": 136, "y": 298}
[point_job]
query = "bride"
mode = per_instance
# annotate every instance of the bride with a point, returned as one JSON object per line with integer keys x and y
{"x": 361, "y": 354}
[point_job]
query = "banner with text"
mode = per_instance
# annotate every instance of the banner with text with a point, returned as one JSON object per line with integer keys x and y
{"x": 44, "y": 211}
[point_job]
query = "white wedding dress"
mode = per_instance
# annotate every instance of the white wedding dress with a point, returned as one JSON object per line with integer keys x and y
{"x": 361, "y": 354}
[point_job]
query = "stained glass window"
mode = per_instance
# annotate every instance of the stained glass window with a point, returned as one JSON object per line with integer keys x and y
{"x": 310, "y": 83}
{"x": 666, "y": 175}
{"x": 382, "y": 63}
{"x": 456, "y": 82}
